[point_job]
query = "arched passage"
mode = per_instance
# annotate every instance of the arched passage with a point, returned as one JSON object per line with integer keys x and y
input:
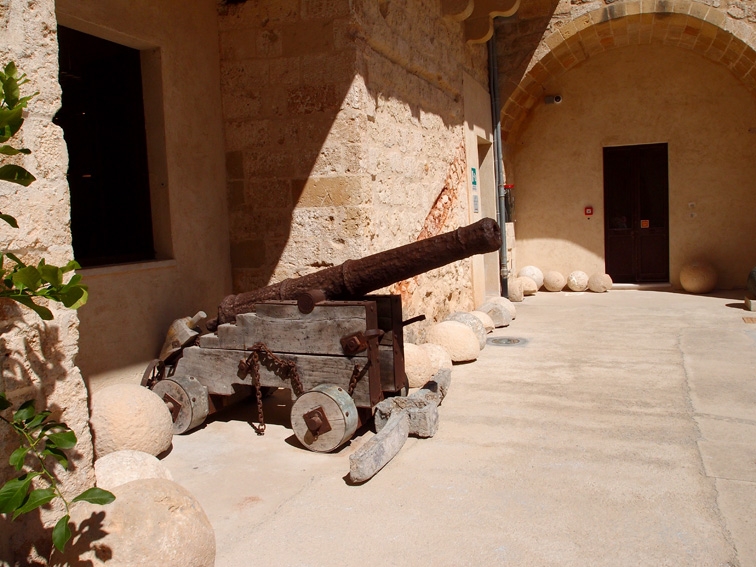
{"x": 684, "y": 24}
{"x": 632, "y": 79}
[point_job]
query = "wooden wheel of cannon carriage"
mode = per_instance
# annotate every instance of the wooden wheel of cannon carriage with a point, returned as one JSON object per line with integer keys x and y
{"x": 186, "y": 399}
{"x": 324, "y": 418}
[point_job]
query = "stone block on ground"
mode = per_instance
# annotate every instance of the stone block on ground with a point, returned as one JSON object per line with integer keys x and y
{"x": 600, "y": 282}
{"x": 417, "y": 365}
{"x": 438, "y": 355}
{"x": 366, "y": 461}
{"x": 577, "y": 281}
{"x": 529, "y": 286}
{"x": 698, "y": 277}
{"x": 151, "y": 522}
{"x": 120, "y": 467}
{"x": 533, "y": 273}
{"x": 750, "y": 302}
{"x": 485, "y": 318}
{"x": 129, "y": 416}
{"x": 553, "y": 281}
{"x": 471, "y": 321}
{"x": 503, "y": 302}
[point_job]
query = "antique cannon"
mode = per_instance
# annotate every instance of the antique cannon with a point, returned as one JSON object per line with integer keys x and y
{"x": 338, "y": 350}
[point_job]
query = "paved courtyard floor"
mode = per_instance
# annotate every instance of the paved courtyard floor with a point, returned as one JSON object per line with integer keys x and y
{"x": 619, "y": 431}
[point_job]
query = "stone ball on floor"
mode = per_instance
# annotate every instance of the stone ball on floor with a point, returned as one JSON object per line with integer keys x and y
{"x": 600, "y": 282}
{"x": 151, "y": 522}
{"x": 553, "y": 281}
{"x": 751, "y": 283}
{"x": 698, "y": 277}
{"x": 458, "y": 339}
{"x": 499, "y": 314}
{"x": 533, "y": 273}
{"x": 120, "y": 467}
{"x": 471, "y": 321}
{"x": 417, "y": 365}
{"x": 129, "y": 416}
{"x": 529, "y": 287}
{"x": 485, "y": 318}
{"x": 516, "y": 293}
{"x": 503, "y": 302}
{"x": 439, "y": 358}
{"x": 577, "y": 281}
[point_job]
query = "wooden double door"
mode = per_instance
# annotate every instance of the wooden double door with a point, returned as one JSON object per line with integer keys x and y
{"x": 636, "y": 213}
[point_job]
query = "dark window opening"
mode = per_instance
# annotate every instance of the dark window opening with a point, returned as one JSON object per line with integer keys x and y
{"x": 102, "y": 117}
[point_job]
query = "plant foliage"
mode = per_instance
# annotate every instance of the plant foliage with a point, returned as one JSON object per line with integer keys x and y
{"x": 44, "y": 440}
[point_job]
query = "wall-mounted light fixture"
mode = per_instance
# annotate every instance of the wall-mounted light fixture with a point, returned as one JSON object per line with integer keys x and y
{"x": 552, "y": 99}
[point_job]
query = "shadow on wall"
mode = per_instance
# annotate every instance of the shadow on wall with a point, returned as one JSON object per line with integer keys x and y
{"x": 323, "y": 110}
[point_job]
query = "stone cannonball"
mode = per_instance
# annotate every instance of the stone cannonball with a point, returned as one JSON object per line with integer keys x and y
{"x": 497, "y": 311}
{"x": 529, "y": 287}
{"x": 577, "y": 281}
{"x": 516, "y": 293}
{"x": 533, "y": 273}
{"x": 505, "y": 303}
{"x": 151, "y": 522}
{"x": 439, "y": 358}
{"x": 417, "y": 365}
{"x": 486, "y": 319}
{"x": 698, "y": 277}
{"x": 599, "y": 282}
{"x": 553, "y": 281}
{"x": 471, "y": 321}
{"x": 120, "y": 467}
{"x": 751, "y": 282}
{"x": 458, "y": 339}
{"x": 129, "y": 416}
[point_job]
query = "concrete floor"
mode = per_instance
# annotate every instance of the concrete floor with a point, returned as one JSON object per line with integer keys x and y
{"x": 620, "y": 431}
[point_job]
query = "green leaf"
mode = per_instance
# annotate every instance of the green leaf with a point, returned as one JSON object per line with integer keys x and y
{"x": 72, "y": 265}
{"x": 25, "y": 412}
{"x": 56, "y": 454}
{"x": 16, "y": 174}
{"x": 27, "y": 277}
{"x": 17, "y": 457}
{"x": 36, "y": 498}
{"x": 61, "y": 533}
{"x": 14, "y": 491}
{"x": 37, "y": 421}
{"x": 4, "y": 403}
{"x": 15, "y": 258}
{"x": 95, "y": 496}
{"x": 11, "y": 151}
{"x": 9, "y": 219}
{"x": 43, "y": 312}
{"x": 63, "y": 440}
{"x": 72, "y": 297}
{"x": 50, "y": 274}
{"x": 11, "y": 120}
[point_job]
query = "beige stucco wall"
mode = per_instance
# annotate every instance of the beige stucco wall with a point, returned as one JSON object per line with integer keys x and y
{"x": 37, "y": 356}
{"x": 345, "y": 136}
{"x": 130, "y": 308}
{"x": 638, "y": 95}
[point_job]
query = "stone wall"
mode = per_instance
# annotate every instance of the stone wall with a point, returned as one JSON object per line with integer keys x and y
{"x": 38, "y": 357}
{"x": 344, "y": 132}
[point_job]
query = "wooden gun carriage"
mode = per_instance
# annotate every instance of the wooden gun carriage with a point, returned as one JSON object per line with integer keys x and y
{"x": 339, "y": 351}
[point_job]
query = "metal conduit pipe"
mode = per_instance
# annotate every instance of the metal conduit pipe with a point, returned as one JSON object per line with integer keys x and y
{"x": 501, "y": 210}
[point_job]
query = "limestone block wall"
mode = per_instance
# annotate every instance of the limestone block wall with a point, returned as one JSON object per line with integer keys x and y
{"x": 38, "y": 357}
{"x": 683, "y": 73}
{"x": 344, "y": 137}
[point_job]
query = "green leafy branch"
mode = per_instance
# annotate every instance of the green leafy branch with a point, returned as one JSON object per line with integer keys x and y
{"x": 12, "y": 106}
{"x": 20, "y": 282}
{"x": 42, "y": 438}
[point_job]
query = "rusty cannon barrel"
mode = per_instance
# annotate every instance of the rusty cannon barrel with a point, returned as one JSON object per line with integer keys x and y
{"x": 355, "y": 278}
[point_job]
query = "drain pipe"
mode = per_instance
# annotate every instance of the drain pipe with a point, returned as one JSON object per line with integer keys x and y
{"x": 501, "y": 210}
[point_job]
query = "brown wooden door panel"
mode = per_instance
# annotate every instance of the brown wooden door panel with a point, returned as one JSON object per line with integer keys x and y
{"x": 636, "y": 213}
